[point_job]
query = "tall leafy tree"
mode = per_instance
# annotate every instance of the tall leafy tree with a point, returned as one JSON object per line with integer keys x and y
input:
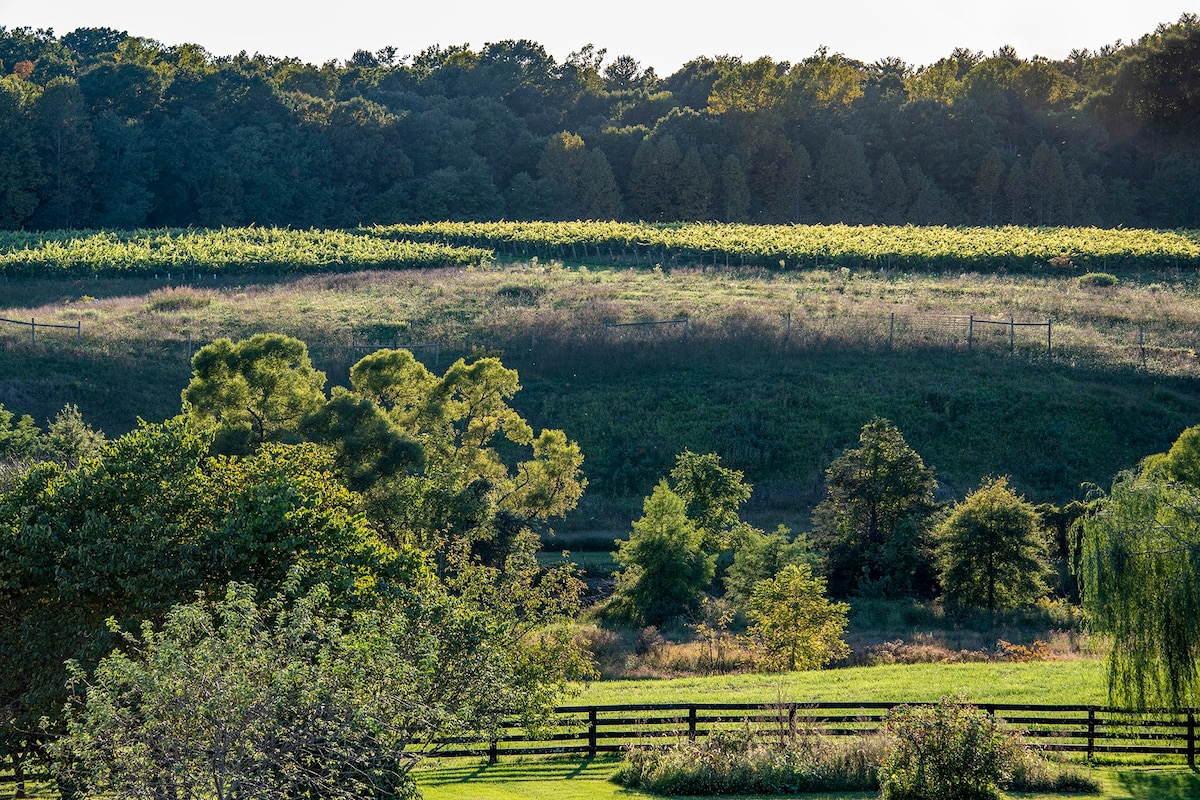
{"x": 872, "y": 524}
{"x": 758, "y": 556}
{"x": 584, "y": 182}
{"x": 712, "y": 494}
{"x": 665, "y": 570}
{"x": 992, "y": 549}
{"x": 1140, "y": 578}
{"x": 253, "y": 391}
{"x": 144, "y": 525}
{"x": 20, "y": 167}
{"x": 843, "y": 179}
{"x": 794, "y": 622}
{"x": 67, "y": 146}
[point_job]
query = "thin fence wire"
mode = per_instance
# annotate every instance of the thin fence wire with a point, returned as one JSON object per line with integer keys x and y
{"x": 1139, "y": 344}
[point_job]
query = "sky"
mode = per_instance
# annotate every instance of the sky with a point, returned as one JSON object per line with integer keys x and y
{"x": 662, "y": 35}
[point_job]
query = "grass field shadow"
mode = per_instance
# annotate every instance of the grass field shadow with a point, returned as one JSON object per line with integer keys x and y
{"x": 1157, "y": 784}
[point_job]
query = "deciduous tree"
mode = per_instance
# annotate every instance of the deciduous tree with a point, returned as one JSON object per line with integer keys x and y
{"x": 992, "y": 549}
{"x": 253, "y": 391}
{"x": 872, "y": 523}
{"x": 1140, "y": 578}
{"x": 665, "y": 570}
{"x": 794, "y": 622}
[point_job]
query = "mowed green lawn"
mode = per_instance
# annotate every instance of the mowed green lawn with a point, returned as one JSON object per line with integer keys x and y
{"x": 1050, "y": 682}
{"x": 575, "y": 779}
{"x": 1075, "y": 682}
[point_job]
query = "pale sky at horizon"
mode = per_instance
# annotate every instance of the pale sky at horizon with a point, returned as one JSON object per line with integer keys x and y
{"x": 660, "y": 35}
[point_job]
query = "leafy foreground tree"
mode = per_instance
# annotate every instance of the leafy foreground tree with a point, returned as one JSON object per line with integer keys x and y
{"x": 872, "y": 524}
{"x": 1140, "y": 578}
{"x": 291, "y": 698}
{"x": 795, "y": 625}
{"x": 145, "y": 525}
{"x": 366, "y": 492}
{"x": 992, "y": 549}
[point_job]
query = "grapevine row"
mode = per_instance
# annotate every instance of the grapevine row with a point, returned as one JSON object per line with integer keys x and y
{"x": 1016, "y": 249}
{"x": 226, "y": 250}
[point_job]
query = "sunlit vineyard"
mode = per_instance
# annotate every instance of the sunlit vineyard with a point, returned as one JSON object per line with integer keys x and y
{"x": 1046, "y": 251}
{"x": 227, "y": 250}
{"x": 1017, "y": 249}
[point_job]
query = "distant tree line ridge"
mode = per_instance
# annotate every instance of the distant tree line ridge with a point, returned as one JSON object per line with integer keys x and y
{"x": 104, "y": 129}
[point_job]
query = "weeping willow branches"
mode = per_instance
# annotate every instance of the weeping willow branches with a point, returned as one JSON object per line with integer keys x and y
{"x": 1140, "y": 570}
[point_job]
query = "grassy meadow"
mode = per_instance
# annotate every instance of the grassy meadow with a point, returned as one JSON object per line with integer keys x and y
{"x": 775, "y": 371}
{"x": 1070, "y": 682}
{"x": 588, "y": 779}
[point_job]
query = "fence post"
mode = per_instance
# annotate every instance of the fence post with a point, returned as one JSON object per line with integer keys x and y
{"x": 1191, "y": 739}
{"x": 1047, "y": 336}
{"x": 892, "y": 331}
{"x": 692, "y": 723}
{"x": 970, "y": 331}
{"x": 591, "y": 732}
{"x": 1012, "y": 335}
{"x": 1091, "y": 739}
{"x": 78, "y": 330}
{"x": 686, "y": 327}
{"x": 33, "y": 330}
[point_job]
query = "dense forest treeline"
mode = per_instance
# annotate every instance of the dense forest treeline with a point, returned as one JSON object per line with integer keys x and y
{"x": 107, "y": 129}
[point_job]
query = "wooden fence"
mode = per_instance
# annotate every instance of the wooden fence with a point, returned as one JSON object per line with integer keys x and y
{"x": 589, "y": 730}
{"x": 648, "y": 326}
{"x": 34, "y": 325}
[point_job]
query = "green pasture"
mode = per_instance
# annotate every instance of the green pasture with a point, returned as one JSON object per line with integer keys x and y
{"x": 1073, "y": 682}
{"x": 588, "y": 779}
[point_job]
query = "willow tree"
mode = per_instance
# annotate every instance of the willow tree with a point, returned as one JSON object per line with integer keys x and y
{"x": 1140, "y": 575}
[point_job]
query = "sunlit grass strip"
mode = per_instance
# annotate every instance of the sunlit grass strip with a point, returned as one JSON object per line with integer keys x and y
{"x": 276, "y": 250}
{"x": 1077, "y": 682}
{"x": 1050, "y": 250}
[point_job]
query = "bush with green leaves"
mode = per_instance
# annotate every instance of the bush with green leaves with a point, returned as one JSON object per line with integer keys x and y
{"x": 946, "y": 751}
{"x": 1099, "y": 280}
{"x": 741, "y": 762}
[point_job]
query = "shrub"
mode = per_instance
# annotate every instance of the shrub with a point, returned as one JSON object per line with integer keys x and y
{"x": 741, "y": 762}
{"x": 178, "y": 298}
{"x": 1031, "y": 773}
{"x": 947, "y": 751}
{"x": 1099, "y": 280}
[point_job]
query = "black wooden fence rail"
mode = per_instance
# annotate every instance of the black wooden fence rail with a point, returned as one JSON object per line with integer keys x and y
{"x": 589, "y": 730}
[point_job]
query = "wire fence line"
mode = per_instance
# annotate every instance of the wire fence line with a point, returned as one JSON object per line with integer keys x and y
{"x": 33, "y": 325}
{"x": 1146, "y": 345}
